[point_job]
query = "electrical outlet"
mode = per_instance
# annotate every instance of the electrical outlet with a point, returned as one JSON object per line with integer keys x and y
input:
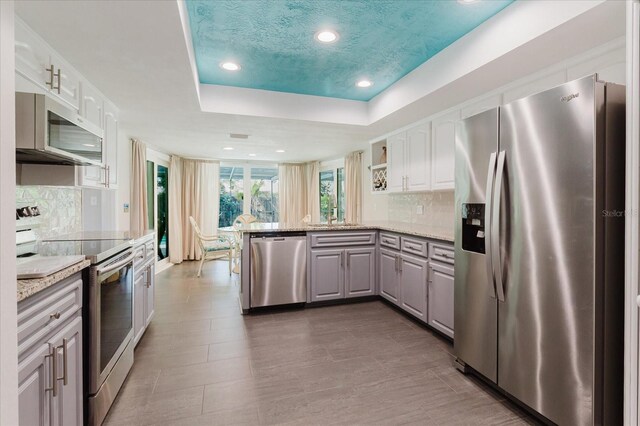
{"x": 420, "y": 209}
{"x": 126, "y": 207}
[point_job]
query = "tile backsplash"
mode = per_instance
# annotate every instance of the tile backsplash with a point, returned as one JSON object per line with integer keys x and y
{"x": 438, "y": 208}
{"x": 60, "y": 208}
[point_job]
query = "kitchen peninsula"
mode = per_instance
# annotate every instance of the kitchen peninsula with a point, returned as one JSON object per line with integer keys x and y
{"x": 409, "y": 266}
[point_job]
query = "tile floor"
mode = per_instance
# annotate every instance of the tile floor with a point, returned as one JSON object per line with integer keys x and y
{"x": 202, "y": 363}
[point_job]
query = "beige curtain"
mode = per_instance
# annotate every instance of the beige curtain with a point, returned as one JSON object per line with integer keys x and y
{"x": 139, "y": 209}
{"x": 293, "y": 192}
{"x": 175, "y": 210}
{"x": 200, "y": 199}
{"x": 353, "y": 187}
{"x": 313, "y": 191}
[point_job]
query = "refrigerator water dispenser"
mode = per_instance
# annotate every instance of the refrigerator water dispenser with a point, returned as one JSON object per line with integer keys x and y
{"x": 473, "y": 227}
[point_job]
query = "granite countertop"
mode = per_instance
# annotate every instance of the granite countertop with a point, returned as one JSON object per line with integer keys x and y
{"x": 426, "y": 231}
{"x": 27, "y": 288}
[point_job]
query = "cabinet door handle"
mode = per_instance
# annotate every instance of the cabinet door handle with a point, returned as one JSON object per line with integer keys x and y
{"x": 57, "y": 88}
{"x": 54, "y": 370}
{"x": 347, "y": 256}
{"x": 342, "y": 259}
{"x": 396, "y": 263}
{"x": 55, "y": 315}
{"x": 50, "y": 82}
{"x": 400, "y": 263}
{"x": 65, "y": 375}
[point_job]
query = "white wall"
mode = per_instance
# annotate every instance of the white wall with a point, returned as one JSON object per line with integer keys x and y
{"x": 608, "y": 60}
{"x": 8, "y": 304}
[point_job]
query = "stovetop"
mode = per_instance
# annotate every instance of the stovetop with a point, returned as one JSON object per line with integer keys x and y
{"x": 96, "y": 251}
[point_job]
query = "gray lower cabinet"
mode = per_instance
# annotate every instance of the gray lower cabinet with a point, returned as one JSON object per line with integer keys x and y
{"x": 441, "y": 297}
{"x": 50, "y": 369}
{"x": 413, "y": 285}
{"x": 389, "y": 275}
{"x": 150, "y": 299}
{"x": 34, "y": 380}
{"x": 138, "y": 306}
{"x": 327, "y": 274}
{"x": 342, "y": 273}
{"x": 360, "y": 272}
{"x": 67, "y": 406}
{"x": 144, "y": 288}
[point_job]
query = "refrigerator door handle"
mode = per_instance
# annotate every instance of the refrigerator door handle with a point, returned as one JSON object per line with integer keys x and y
{"x": 491, "y": 174}
{"x": 495, "y": 226}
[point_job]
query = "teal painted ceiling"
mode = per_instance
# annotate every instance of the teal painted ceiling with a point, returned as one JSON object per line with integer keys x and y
{"x": 273, "y": 41}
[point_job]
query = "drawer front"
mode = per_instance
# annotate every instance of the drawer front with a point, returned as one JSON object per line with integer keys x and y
{"x": 150, "y": 250}
{"x": 390, "y": 240}
{"x": 414, "y": 246}
{"x": 342, "y": 239}
{"x": 441, "y": 252}
{"x": 140, "y": 257}
{"x": 38, "y": 317}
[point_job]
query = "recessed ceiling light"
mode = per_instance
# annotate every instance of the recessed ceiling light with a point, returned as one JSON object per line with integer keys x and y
{"x": 364, "y": 83}
{"x": 252, "y": 155}
{"x": 467, "y": 1}
{"x": 326, "y": 36}
{"x": 280, "y": 150}
{"x": 230, "y": 66}
{"x": 228, "y": 148}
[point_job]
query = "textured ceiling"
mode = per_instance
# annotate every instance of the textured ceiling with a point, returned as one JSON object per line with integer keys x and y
{"x": 273, "y": 41}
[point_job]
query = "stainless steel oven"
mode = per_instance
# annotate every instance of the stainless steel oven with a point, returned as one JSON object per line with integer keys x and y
{"x": 110, "y": 331}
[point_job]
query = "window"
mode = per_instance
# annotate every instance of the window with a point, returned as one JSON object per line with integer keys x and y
{"x": 231, "y": 194}
{"x": 262, "y": 199}
{"x": 158, "y": 203}
{"x": 332, "y": 194}
{"x": 162, "y": 196}
{"x": 264, "y": 194}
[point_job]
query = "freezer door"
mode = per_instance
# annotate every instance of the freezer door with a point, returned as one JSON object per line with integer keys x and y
{"x": 475, "y": 313}
{"x": 546, "y": 258}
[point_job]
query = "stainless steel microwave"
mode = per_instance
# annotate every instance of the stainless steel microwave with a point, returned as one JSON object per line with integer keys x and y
{"x": 48, "y": 132}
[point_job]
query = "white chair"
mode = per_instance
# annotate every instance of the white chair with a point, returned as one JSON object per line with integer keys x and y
{"x": 212, "y": 246}
{"x": 242, "y": 219}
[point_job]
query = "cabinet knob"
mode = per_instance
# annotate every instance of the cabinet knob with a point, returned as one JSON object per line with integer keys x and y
{"x": 55, "y": 315}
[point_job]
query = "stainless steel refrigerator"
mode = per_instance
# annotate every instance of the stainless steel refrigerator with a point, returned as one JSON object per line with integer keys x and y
{"x": 539, "y": 246}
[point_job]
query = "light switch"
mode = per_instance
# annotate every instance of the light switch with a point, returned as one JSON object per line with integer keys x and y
{"x": 126, "y": 207}
{"x": 420, "y": 209}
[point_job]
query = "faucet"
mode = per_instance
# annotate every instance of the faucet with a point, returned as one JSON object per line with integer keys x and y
{"x": 332, "y": 206}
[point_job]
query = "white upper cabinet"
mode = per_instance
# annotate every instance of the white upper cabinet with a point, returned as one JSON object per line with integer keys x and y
{"x": 67, "y": 82}
{"x": 40, "y": 69}
{"x": 92, "y": 106}
{"x": 39, "y": 64}
{"x": 418, "y": 158}
{"x": 395, "y": 162}
{"x": 443, "y": 142}
{"x": 409, "y": 160}
{"x": 32, "y": 57}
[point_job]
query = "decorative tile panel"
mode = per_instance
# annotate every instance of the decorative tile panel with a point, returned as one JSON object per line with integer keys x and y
{"x": 60, "y": 208}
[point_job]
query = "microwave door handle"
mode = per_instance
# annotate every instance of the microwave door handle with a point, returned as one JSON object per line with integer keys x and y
{"x": 495, "y": 226}
{"x": 491, "y": 175}
{"x": 114, "y": 266}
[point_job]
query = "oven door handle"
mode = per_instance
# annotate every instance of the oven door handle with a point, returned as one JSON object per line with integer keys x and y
{"x": 114, "y": 266}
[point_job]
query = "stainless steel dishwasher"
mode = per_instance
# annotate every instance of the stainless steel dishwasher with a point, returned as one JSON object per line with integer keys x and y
{"x": 278, "y": 269}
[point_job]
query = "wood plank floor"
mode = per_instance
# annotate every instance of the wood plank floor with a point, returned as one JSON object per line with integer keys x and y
{"x": 202, "y": 363}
